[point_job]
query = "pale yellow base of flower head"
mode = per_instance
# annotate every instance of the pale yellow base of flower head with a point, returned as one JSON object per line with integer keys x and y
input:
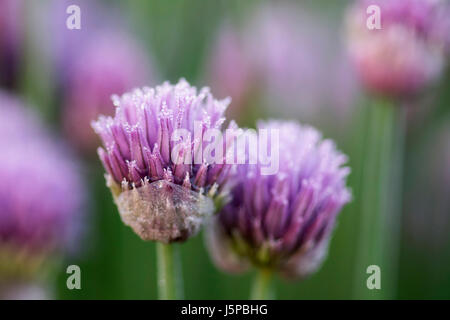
{"x": 18, "y": 264}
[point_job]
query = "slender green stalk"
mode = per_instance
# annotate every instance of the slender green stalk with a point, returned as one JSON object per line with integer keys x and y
{"x": 380, "y": 200}
{"x": 169, "y": 275}
{"x": 261, "y": 289}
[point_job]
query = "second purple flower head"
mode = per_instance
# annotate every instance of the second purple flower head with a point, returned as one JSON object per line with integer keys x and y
{"x": 283, "y": 221}
{"x": 160, "y": 180}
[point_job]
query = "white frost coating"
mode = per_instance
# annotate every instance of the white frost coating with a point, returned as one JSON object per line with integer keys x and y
{"x": 161, "y": 210}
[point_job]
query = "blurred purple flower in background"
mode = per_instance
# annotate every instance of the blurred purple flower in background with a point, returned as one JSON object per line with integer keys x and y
{"x": 11, "y": 39}
{"x": 91, "y": 64}
{"x": 64, "y": 44}
{"x": 41, "y": 194}
{"x": 407, "y": 53}
{"x": 284, "y": 55}
{"x": 442, "y": 26}
{"x": 284, "y": 221}
{"x": 288, "y": 47}
{"x": 229, "y": 69}
{"x": 109, "y": 62}
{"x": 157, "y": 186}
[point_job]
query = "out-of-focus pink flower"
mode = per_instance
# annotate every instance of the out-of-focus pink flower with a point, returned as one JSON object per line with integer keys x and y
{"x": 301, "y": 60}
{"x": 89, "y": 64}
{"x": 406, "y": 54}
{"x": 427, "y": 204}
{"x": 41, "y": 192}
{"x": 284, "y": 55}
{"x": 109, "y": 62}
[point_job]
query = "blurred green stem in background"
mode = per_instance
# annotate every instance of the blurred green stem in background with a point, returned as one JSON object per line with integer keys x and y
{"x": 169, "y": 272}
{"x": 381, "y": 200}
{"x": 36, "y": 72}
{"x": 262, "y": 289}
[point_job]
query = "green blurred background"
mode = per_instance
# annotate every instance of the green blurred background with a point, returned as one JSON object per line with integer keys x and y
{"x": 179, "y": 35}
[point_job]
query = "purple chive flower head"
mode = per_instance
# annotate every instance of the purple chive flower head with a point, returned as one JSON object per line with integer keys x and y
{"x": 41, "y": 192}
{"x": 152, "y": 152}
{"x": 406, "y": 53}
{"x": 283, "y": 221}
{"x": 282, "y": 54}
{"x": 428, "y": 205}
{"x": 109, "y": 62}
{"x": 229, "y": 68}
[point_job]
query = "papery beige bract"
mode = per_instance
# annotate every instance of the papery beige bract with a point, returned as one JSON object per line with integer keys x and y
{"x": 161, "y": 210}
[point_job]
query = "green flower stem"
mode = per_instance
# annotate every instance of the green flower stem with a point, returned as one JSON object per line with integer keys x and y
{"x": 32, "y": 68}
{"x": 261, "y": 289}
{"x": 381, "y": 200}
{"x": 169, "y": 272}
